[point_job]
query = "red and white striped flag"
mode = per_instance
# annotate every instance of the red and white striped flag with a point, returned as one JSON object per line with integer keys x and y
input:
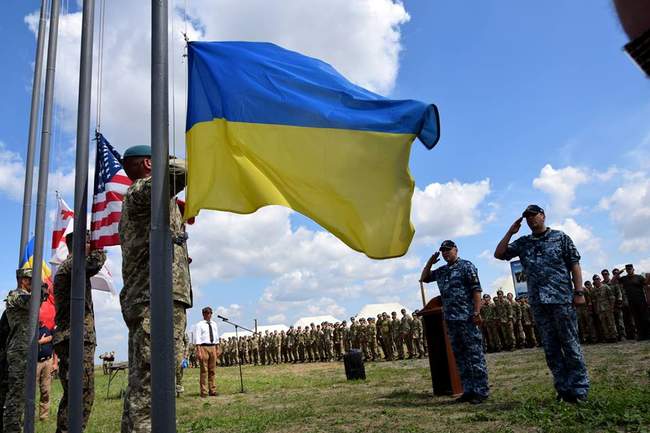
{"x": 111, "y": 183}
{"x": 63, "y": 224}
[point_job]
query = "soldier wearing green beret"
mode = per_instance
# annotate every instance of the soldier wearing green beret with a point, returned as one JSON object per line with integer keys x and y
{"x": 134, "y": 228}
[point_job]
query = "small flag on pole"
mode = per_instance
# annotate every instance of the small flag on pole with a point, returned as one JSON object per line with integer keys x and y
{"x": 47, "y": 311}
{"x": 111, "y": 183}
{"x": 63, "y": 225}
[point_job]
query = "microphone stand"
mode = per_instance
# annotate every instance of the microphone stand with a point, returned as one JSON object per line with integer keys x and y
{"x": 237, "y": 327}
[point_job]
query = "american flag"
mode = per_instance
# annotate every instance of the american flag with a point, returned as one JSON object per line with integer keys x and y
{"x": 111, "y": 183}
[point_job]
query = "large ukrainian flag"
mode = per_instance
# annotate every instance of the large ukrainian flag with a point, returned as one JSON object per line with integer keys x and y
{"x": 268, "y": 126}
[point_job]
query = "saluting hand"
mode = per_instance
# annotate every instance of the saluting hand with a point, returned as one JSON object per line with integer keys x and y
{"x": 514, "y": 228}
{"x": 427, "y": 268}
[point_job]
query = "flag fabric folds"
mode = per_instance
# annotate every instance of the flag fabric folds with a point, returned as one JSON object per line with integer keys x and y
{"x": 63, "y": 225}
{"x": 111, "y": 183}
{"x": 268, "y": 126}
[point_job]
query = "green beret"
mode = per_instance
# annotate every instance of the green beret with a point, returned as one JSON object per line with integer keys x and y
{"x": 24, "y": 273}
{"x": 139, "y": 150}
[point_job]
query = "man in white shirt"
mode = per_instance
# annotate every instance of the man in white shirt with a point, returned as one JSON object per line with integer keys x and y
{"x": 206, "y": 338}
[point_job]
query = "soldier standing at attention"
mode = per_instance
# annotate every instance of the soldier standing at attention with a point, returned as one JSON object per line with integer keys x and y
{"x": 492, "y": 324}
{"x": 405, "y": 332}
{"x": 585, "y": 321}
{"x": 618, "y": 304}
{"x": 552, "y": 266}
{"x": 386, "y": 337}
{"x": 416, "y": 332}
{"x": 634, "y": 286}
{"x": 396, "y": 337}
{"x": 62, "y": 284}
{"x": 504, "y": 313}
{"x": 460, "y": 290}
{"x": 527, "y": 322}
{"x": 516, "y": 322}
{"x": 603, "y": 300}
{"x": 134, "y": 228}
{"x": 17, "y": 310}
{"x": 628, "y": 320}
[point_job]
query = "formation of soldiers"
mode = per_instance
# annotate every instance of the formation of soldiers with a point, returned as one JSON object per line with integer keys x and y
{"x": 506, "y": 323}
{"x": 606, "y": 315}
{"x": 382, "y": 338}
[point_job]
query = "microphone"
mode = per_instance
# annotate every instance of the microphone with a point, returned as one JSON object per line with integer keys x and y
{"x": 222, "y": 318}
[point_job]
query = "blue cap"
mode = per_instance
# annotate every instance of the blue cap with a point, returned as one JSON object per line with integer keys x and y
{"x": 139, "y": 150}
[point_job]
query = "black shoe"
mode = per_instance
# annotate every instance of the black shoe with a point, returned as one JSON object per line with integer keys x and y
{"x": 477, "y": 399}
{"x": 464, "y": 398}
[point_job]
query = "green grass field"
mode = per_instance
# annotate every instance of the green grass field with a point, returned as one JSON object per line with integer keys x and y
{"x": 397, "y": 397}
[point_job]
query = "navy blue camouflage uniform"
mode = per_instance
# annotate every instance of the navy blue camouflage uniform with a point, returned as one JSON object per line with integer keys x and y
{"x": 457, "y": 283}
{"x": 547, "y": 260}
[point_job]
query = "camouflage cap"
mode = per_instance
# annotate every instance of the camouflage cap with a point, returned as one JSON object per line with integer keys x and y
{"x": 532, "y": 209}
{"x": 24, "y": 273}
{"x": 447, "y": 245}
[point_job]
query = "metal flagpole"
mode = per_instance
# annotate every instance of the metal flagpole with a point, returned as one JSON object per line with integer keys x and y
{"x": 163, "y": 403}
{"x": 33, "y": 126}
{"x": 78, "y": 289}
{"x": 41, "y": 202}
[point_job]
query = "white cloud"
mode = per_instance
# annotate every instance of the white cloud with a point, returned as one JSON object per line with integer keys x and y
{"x": 359, "y": 38}
{"x": 232, "y": 311}
{"x": 12, "y": 173}
{"x": 449, "y": 210}
{"x": 277, "y": 319}
{"x": 629, "y": 209}
{"x": 561, "y": 186}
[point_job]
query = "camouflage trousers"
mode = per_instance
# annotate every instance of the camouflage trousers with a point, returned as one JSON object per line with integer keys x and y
{"x": 467, "y": 345}
{"x": 520, "y": 335}
{"x": 558, "y": 329}
{"x": 62, "y": 350}
{"x": 494, "y": 339}
{"x": 620, "y": 323}
{"x": 4, "y": 373}
{"x": 585, "y": 324}
{"x": 388, "y": 346}
{"x": 507, "y": 334}
{"x": 136, "y": 416}
{"x": 399, "y": 346}
{"x": 529, "y": 330}
{"x": 607, "y": 325}
{"x": 14, "y": 405}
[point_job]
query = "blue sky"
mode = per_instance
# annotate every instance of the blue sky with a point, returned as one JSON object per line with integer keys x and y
{"x": 538, "y": 104}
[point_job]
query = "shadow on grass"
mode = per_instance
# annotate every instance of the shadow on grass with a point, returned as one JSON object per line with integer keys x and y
{"x": 408, "y": 398}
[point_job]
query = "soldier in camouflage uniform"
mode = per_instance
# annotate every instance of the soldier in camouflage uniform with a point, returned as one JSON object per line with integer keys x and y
{"x": 386, "y": 337}
{"x": 345, "y": 336}
{"x": 417, "y": 332}
{"x": 628, "y": 320}
{"x": 520, "y": 336}
{"x": 504, "y": 314}
{"x": 62, "y": 285}
{"x": 527, "y": 322}
{"x": 491, "y": 324}
{"x": 603, "y": 300}
{"x": 405, "y": 332}
{"x": 244, "y": 350}
{"x": 362, "y": 336}
{"x": 255, "y": 348}
{"x": 551, "y": 263}
{"x": 584, "y": 314}
{"x": 396, "y": 336}
{"x": 290, "y": 344}
{"x": 617, "y": 290}
{"x": 371, "y": 338}
{"x": 134, "y": 228}
{"x": 460, "y": 290}
{"x": 17, "y": 310}
{"x": 354, "y": 334}
{"x": 329, "y": 341}
{"x": 337, "y": 341}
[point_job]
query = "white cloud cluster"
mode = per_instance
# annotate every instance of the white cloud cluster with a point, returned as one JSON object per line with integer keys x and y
{"x": 12, "y": 173}
{"x": 561, "y": 186}
{"x": 629, "y": 209}
{"x": 448, "y": 210}
{"x": 360, "y": 38}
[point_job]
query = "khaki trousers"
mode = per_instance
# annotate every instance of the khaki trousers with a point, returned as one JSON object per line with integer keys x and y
{"x": 208, "y": 364}
{"x": 44, "y": 380}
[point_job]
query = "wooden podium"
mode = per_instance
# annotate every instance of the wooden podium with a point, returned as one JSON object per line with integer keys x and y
{"x": 444, "y": 374}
